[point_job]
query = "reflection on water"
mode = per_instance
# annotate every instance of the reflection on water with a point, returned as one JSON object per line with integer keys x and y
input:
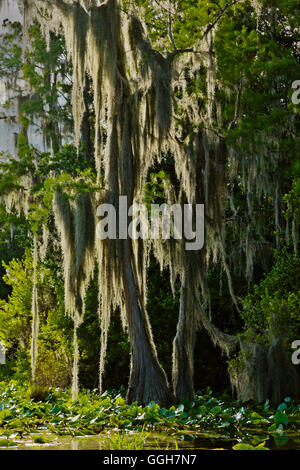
{"x": 203, "y": 441}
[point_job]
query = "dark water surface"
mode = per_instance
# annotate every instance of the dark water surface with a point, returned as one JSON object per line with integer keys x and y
{"x": 201, "y": 441}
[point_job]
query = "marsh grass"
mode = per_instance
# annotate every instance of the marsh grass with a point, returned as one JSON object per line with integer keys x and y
{"x": 120, "y": 440}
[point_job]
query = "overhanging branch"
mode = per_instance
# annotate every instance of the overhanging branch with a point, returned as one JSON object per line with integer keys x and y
{"x": 208, "y": 29}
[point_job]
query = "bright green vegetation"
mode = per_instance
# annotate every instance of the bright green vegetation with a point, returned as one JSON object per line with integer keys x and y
{"x": 25, "y": 416}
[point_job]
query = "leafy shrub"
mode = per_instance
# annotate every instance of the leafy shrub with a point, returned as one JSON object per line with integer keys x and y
{"x": 273, "y": 308}
{"x": 38, "y": 393}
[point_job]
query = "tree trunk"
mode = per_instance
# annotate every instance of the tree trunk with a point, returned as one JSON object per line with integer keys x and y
{"x": 265, "y": 372}
{"x": 147, "y": 381}
{"x": 183, "y": 347}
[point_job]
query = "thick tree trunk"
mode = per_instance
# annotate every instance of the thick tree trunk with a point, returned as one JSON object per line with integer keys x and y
{"x": 265, "y": 372}
{"x": 147, "y": 381}
{"x": 183, "y": 347}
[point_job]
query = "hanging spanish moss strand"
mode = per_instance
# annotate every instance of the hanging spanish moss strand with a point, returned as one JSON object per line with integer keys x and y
{"x": 35, "y": 311}
{"x": 76, "y": 227}
{"x": 75, "y": 371}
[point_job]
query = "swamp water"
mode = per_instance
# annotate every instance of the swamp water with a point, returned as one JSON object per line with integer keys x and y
{"x": 151, "y": 441}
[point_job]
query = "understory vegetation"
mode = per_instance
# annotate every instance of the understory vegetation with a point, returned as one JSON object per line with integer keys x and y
{"x": 32, "y": 414}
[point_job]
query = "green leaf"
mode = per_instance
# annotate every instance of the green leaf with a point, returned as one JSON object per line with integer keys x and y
{"x": 281, "y": 418}
{"x": 250, "y": 447}
{"x": 180, "y": 409}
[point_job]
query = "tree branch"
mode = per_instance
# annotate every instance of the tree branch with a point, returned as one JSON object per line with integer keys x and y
{"x": 208, "y": 29}
{"x": 171, "y": 32}
{"x": 221, "y": 14}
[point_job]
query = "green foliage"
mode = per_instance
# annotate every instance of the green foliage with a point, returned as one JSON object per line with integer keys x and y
{"x": 273, "y": 308}
{"x": 250, "y": 447}
{"x": 54, "y": 362}
{"x": 10, "y": 50}
{"x": 292, "y": 198}
{"x": 189, "y": 21}
{"x": 15, "y": 314}
{"x": 30, "y": 411}
{"x": 65, "y": 160}
{"x": 261, "y": 64}
{"x": 122, "y": 441}
{"x": 21, "y": 366}
{"x": 41, "y": 439}
{"x": 48, "y": 73}
{"x": 85, "y": 182}
{"x": 155, "y": 188}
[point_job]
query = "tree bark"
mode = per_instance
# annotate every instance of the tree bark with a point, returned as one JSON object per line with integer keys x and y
{"x": 183, "y": 347}
{"x": 147, "y": 381}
